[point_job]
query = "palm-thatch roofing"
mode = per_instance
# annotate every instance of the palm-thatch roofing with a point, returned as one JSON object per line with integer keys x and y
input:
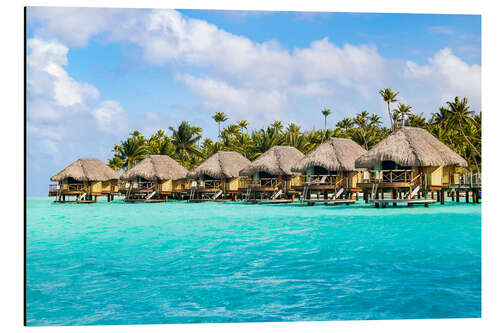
{"x": 277, "y": 161}
{"x": 223, "y": 164}
{"x": 156, "y": 167}
{"x": 87, "y": 169}
{"x": 335, "y": 154}
{"x": 411, "y": 147}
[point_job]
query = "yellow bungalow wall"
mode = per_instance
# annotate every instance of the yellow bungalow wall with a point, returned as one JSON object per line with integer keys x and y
{"x": 96, "y": 187}
{"x": 354, "y": 177}
{"x": 181, "y": 184}
{"x": 166, "y": 186}
{"x": 232, "y": 184}
{"x": 296, "y": 181}
{"x": 109, "y": 186}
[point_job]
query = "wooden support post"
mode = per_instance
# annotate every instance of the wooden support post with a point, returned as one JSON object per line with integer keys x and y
{"x": 357, "y": 196}
{"x": 166, "y": 197}
{"x": 474, "y": 196}
{"x": 466, "y": 196}
{"x": 109, "y": 197}
{"x": 365, "y": 195}
{"x": 112, "y": 197}
{"x": 293, "y": 197}
{"x": 452, "y": 196}
{"x": 441, "y": 197}
{"x": 458, "y": 196}
{"x": 394, "y": 196}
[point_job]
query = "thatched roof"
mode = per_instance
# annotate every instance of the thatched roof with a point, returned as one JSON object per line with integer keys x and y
{"x": 335, "y": 154}
{"x": 87, "y": 169}
{"x": 276, "y": 161}
{"x": 156, "y": 167}
{"x": 223, "y": 164}
{"x": 411, "y": 146}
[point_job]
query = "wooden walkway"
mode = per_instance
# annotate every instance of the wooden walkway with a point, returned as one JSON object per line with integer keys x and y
{"x": 209, "y": 200}
{"x": 76, "y": 201}
{"x": 311, "y": 202}
{"x": 384, "y": 202}
{"x": 269, "y": 201}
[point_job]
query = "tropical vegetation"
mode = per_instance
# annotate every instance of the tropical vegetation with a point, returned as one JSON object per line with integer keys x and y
{"x": 455, "y": 124}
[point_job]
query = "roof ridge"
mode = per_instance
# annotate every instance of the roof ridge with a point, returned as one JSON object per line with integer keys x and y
{"x": 83, "y": 169}
{"x": 336, "y": 156}
{"x": 157, "y": 173}
{"x": 220, "y": 164}
{"x": 413, "y": 149}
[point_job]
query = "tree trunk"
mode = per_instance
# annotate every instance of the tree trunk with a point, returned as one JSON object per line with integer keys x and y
{"x": 390, "y": 115}
{"x": 467, "y": 139}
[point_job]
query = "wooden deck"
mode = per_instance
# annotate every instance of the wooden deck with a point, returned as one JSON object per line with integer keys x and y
{"x": 209, "y": 200}
{"x": 269, "y": 201}
{"x": 76, "y": 201}
{"x": 311, "y": 202}
{"x": 145, "y": 201}
{"x": 384, "y": 185}
{"x": 384, "y": 202}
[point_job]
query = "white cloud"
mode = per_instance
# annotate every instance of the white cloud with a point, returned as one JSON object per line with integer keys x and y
{"x": 47, "y": 77}
{"x": 443, "y": 30}
{"x": 110, "y": 116}
{"x": 75, "y": 26}
{"x": 448, "y": 75}
{"x": 264, "y": 79}
{"x": 255, "y": 105}
{"x": 59, "y": 108}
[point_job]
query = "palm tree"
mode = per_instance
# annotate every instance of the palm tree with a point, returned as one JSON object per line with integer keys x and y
{"x": 460, "y": 115}
{"x": 293, "y": 129}
{"x": 131, "y": 151}
{"x": 116, "y": 163}
{"x": 389, "y": 96}
{"x": 326, "y": 113}
{"x": 184, "y": 139}
{"x": 243, "y": 124}
{"x": 403, "y": 111}
{"x": 219, "y": 117}
{"x": 345, "y": 124}
{"x": 375, "y": 119}
{"x": 278, "y": 126}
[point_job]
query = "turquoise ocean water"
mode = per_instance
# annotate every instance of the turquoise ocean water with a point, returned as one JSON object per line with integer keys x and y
{"x": 175, "y": 262}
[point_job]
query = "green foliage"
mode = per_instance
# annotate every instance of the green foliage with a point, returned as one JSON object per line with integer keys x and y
{"x": 455, "y": 124}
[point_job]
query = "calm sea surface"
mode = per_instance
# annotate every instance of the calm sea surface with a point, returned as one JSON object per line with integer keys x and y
{"x": 118, "y": 263}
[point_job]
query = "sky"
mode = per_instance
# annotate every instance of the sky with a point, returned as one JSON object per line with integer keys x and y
{"x": 94, "y": 74}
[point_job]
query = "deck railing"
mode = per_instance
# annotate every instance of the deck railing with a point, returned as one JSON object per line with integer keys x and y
{"x": 468, "y": 179}
{"x": 244, "y": 182}
{"x": 392, "y": 176}
{"x": 267, "y": 182}
{"x": 210, "y": 184}
{"x": 76, "y": 187}
{"x": 322, "y": 179}
{"x": 138, "y": 186}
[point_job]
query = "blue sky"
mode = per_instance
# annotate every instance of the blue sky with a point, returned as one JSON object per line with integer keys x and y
{"x": 94, "y": 75}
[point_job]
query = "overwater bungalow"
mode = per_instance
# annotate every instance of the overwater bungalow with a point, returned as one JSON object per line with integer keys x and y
{"x": 272, "y": 179}
{"x": 154, "y": 179}
{"x": 409, "y": 164}
{"x": 329, "y": 172}
{"x": 217, "y": 178}
{"x": 83, "y": 181}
